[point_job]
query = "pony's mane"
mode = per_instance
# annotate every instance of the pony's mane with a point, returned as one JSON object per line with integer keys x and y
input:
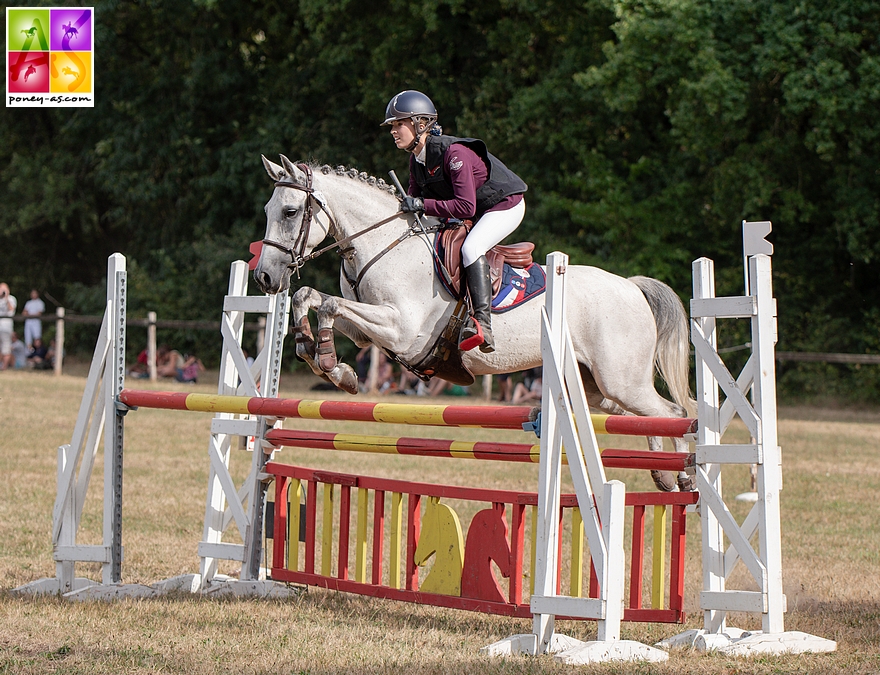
{"x": 361, "y": 176}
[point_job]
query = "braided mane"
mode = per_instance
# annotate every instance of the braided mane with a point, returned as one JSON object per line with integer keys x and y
{"x": 362, "y": 176}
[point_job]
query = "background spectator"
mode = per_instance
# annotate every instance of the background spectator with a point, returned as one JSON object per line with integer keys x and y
{"x": 168, "y": 361}
{"x": 8, "y": 305}
{"x": 33, "y": 327}
{"x": 530, "y": 388}
{"x": 190, "y": 370}
{"x": 19, "y": 352}
{"x": 38, "y": 356}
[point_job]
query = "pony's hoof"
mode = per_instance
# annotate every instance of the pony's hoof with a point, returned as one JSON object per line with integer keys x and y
{"x": 664, "y": 480}
{"x": 347, "y": 380}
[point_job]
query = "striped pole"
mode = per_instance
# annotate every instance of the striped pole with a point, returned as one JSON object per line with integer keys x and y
{"x": 490, "y": 417}
{"x": 485, "y": 450}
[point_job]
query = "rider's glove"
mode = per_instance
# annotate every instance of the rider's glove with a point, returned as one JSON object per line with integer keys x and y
{"x": 412, "y": 205}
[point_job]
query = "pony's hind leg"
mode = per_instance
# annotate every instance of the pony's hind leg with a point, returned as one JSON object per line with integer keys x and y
{"x": 646, "y": 403}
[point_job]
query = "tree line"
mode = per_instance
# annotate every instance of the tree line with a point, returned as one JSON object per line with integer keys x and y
{"x": 647, "y": 131}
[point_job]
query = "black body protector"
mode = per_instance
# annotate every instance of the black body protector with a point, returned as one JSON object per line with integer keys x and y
{"x": 501, "y": 182}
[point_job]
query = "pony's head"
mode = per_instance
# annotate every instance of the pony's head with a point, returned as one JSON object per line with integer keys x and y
{"x": 295, "y": 224}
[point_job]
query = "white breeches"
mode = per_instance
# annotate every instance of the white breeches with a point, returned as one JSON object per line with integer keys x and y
{"x": 489, "y": 230}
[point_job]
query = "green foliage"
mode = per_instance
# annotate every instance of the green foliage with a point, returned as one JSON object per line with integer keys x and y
{"x": 646, "y": 129}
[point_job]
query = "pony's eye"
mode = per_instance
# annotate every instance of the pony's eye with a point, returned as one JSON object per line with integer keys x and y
{"x": 289, "y": 211}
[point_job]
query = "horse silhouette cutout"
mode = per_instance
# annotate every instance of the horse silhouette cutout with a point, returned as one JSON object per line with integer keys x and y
{"x": 440, "y": 537}
{"x": 30, "y": 71}
{"x": 69, "y": 30}
{"x": 69, "y": 71}
{"x": 487, "y": 542}
{"x": 30, "y": 32}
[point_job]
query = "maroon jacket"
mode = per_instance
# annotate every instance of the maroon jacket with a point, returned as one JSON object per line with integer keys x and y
{"x": 465, "y": 172}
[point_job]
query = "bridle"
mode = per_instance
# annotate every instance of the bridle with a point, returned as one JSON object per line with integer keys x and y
{"x": 297, "y": 259}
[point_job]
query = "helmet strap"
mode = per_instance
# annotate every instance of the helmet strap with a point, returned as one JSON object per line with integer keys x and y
{"x": 418, "y": 137}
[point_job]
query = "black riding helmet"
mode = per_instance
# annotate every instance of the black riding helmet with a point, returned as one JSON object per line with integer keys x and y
{"x": 414, "y": 105}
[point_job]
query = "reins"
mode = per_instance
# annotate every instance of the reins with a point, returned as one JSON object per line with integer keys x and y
{"x": 297, "y": 259}
{"x": 446, "y": 342}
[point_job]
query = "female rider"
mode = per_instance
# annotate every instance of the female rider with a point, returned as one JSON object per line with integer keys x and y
{"x": 458, "y": 178}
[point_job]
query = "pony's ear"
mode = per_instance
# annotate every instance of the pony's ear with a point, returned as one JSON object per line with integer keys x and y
{"x": 289, "y": 168}
{"x": 275, "y": 172}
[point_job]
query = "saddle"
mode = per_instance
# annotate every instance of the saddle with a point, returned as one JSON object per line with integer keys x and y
{"x": 445, "y": 361}
{"x": 449, "y": 247}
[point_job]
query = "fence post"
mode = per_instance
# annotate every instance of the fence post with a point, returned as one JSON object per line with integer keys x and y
{"x": 373, "y": 373}
{"x": 59, "y": 339}
{"x": 151, "y": 346}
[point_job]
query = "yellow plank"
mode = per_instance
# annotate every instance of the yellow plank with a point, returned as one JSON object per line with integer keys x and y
{"x": 360, "y": 568}
{"x": 293, "y": 524}
{"x": 577, "y": 554}
{"x": 396, "y": 534}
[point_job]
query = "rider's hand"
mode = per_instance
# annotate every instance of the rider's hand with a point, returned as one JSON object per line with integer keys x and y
{"x": 412, "y": 205}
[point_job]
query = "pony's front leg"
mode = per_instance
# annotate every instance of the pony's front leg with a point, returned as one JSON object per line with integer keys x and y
{"x": 303, "y": 300}
{"x": 361, "y": 321}
{"x": 320, "y": 355}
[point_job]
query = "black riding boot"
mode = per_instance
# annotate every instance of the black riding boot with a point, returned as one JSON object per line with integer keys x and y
{"x": 478, "y": 333}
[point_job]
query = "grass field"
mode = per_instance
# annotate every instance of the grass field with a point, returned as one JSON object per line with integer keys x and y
{"x": 831, "y": 549}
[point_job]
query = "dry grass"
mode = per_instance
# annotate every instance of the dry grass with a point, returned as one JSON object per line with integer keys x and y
{"x": 831, "y": 550}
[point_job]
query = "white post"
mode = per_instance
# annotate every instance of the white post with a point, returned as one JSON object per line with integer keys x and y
{"x": 547, "y": 540}
{"x": 769, "y": 483}
{"x": 373, "y": 372}
{"x": 114, "y": 381}
{"x": 59, "y": 339}
{"x": 709, "y": 432}
{"x": 565, "y": 419}
{"x": 764, "y": 562}
{"x": 151, "y": 346}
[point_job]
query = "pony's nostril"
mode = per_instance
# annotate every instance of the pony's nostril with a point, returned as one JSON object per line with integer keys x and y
{"x": 263, "y": 281}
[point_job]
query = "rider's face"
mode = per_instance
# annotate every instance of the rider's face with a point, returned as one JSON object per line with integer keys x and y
{"x": 403, "y": 132}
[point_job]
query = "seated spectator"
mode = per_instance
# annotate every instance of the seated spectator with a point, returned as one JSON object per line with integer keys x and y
{"x": 168, "y": 362}
{"x": 19, "y": 351}
{"x": 140, "y": 369}
{"x": 37, "y": 358}
{"x": 530, "y": 389}
{"x": 50, "y": 354}
{"x": 192, "y": 366}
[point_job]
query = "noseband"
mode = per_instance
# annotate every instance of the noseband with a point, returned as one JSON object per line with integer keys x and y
{"x": 297, "y": 259}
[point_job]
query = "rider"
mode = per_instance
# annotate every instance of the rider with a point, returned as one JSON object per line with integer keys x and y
{"x": 458, "y": 178}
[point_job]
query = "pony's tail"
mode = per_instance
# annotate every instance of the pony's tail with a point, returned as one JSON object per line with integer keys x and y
{"x": 672, "y": 354}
